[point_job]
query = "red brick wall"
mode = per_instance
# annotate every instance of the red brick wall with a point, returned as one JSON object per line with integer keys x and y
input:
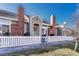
{"x": 14, "y": 30}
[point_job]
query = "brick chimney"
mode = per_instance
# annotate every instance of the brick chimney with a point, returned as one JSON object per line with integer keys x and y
{"x": 52, "y": 20}
{"x": 52, "y": 28}
{"x": 17, "y": 28}
{"x": 20, "y": 21}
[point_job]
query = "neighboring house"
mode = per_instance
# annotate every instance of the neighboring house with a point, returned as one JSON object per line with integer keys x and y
{"x": 60, "y": 30}
{"x": 56, "y": 29}
{"x": 63, "y": 30}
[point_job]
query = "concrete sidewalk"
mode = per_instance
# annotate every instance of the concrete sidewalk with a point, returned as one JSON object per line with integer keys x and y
{"x": 4, "y": 51}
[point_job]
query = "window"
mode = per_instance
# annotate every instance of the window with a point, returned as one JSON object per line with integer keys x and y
{"x": 44, "y": 25}
{"x": 59, "y": 31}
{"x": 5, "y": 28}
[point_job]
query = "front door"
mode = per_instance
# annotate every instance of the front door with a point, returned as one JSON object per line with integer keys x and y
{"x": 36, "y": 29}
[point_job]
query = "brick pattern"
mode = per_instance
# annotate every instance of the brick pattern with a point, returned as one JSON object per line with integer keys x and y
{"x": 21, "y": 21}
{"x": 52, "y": 28}
{"x": 14, "y": 30}
{"x": 18, "y": 29}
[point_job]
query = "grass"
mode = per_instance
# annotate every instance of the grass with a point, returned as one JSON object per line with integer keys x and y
{"x": 59, "y": 50}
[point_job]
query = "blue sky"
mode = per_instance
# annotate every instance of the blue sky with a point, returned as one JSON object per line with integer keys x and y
{"x": 62, "y": 11}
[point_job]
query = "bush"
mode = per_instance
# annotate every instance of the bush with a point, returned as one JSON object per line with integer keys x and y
{"x": 27, "y": 34}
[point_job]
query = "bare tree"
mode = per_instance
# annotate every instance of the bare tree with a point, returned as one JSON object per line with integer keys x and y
{"x": 76, "y": 36}
{"x": 75, "y": 21}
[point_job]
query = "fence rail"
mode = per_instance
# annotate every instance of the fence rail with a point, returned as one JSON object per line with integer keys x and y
{"x": 60, "y": 38}
{"x": 9, "y": 41}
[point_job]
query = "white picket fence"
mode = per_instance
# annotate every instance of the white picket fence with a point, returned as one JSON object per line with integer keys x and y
{"x": 9, "y": 41}
{"x": 60, "y": 38}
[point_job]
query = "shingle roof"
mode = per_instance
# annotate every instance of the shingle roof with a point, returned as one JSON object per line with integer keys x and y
{"x": 14, "y": 15}
{"x": 7, "y": 13}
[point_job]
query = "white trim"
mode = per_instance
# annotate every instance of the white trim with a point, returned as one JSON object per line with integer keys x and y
{"x": 45, "y": 27}
{"x": 45, "y": 24}
{"x": 13, "y": 19}
{"x": 9, "y": 28}
{"x": 26, "y": 19}
{"x": 8, "y": 18}
{"x": 5, "y": 22}
{"x": 31, "y": 25}
{"x": 35, "y": 16}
